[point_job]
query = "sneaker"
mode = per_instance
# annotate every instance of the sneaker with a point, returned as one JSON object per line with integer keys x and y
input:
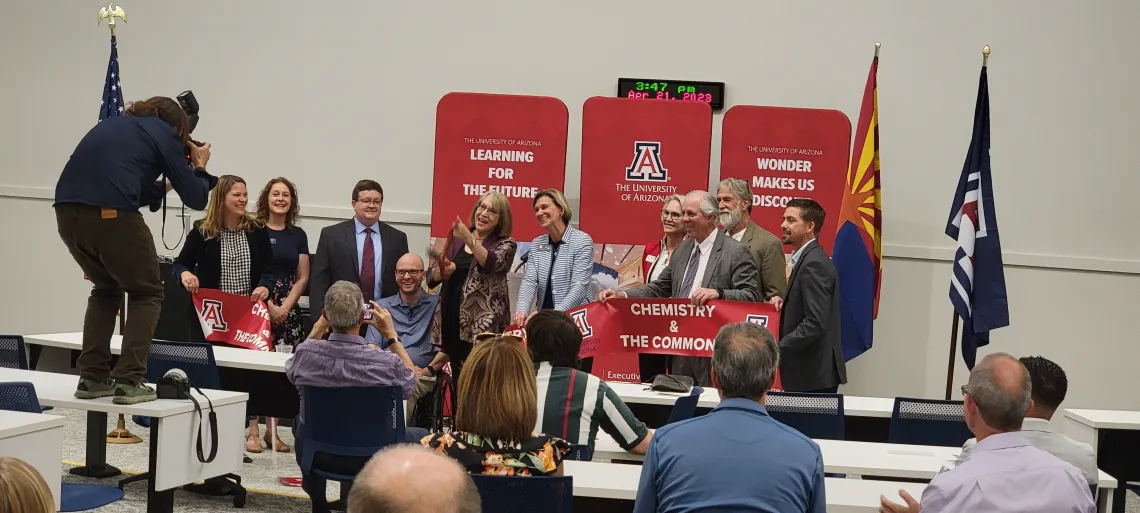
{"x": 91, "y": 389}
{"x": 126, "y": 393}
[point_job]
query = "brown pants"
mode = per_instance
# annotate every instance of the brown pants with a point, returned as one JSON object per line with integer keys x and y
{"x": 116, "y": 251}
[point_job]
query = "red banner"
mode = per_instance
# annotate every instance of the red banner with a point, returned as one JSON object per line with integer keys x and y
{"x": 233, "y": 319}
{"x": 622, "y": 328}
{"x": 785, "y": 153}
{"x": 513, "y": 144}
{"x": 636, "y": 153}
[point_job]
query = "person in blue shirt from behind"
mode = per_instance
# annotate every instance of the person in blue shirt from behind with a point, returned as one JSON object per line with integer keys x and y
{"x": 736, "y": 458}
{"x": 116, "y": 169}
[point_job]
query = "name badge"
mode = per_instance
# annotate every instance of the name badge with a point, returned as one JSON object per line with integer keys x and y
{"x": 651, "y": 258}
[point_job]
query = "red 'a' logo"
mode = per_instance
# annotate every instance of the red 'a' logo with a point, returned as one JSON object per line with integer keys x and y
{"x": 646, "y": 166}
{"x": 212, "y": 315}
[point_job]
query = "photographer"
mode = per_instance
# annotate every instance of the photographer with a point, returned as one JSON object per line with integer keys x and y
{"x": 116, "y": 169}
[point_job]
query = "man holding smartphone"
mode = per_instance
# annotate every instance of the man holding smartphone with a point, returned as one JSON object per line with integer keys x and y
{"x": 116, "y": 169}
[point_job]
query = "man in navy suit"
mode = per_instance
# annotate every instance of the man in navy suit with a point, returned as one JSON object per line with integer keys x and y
{"x": 362, "y": 250}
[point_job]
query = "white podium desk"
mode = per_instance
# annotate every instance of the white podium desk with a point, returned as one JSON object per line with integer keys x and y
{"x": 173, "y": 432}
{"x": 37, "y": 439}
{"x": 638, "y": 393}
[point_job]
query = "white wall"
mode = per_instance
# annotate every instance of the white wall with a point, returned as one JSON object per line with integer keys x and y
{"x": 330, "y": 92}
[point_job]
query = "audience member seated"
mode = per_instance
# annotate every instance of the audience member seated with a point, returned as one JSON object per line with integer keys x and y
{"x": 407, "y": 478}
{"x": 497, "y": 413}
{"x": 736, "y": 457}
{"x": 1004, "y": 472}
{"x": 412, "y": 308}
{"x": 1048, "y": 390}
{"x": 23, "y": 489}
{"x": 553, "y": 341}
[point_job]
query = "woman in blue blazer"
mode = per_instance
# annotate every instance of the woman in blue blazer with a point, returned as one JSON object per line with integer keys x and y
{"x": 560, "y": 264}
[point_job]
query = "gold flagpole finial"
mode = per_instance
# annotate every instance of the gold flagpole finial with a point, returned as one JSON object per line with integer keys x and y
{"x": 985, "y": 55}
{"x": 877, "y": 46}
{"x": 109, "y": 13}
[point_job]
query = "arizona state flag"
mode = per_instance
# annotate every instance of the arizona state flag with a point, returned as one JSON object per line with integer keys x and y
{"x": 858, "y": 253}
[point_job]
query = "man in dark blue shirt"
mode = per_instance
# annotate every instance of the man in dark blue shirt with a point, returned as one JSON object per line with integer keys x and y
{"x": 116, "y": 169}
{"x": 736, "y": 458}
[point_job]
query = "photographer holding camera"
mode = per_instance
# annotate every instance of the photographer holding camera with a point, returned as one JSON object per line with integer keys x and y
{"x": 117, "y": 168}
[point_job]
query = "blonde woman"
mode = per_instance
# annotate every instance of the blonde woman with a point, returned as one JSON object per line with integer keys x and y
{"x": 496, "y": 416}
{"x": 561, "y": 261}
{"x": 656, "y": 256}
{"x": 474, "y": 296}
{"x": 23, "y": 489}
{"x": 230, "y": 251}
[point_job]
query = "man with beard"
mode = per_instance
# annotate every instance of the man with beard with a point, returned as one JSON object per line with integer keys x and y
{"x": 734, "y": 199}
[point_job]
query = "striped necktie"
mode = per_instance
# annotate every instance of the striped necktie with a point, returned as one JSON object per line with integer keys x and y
{"x": 690, "y": 273}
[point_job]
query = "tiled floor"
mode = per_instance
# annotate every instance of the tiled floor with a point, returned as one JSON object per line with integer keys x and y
{"x": 261, "y": 478}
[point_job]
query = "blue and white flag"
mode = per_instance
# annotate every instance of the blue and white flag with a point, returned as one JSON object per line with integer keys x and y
{"x": 977, "y": 286}
{"x": 112, "y": 88}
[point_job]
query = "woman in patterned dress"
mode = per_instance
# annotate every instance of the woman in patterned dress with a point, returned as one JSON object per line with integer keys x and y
{"x": 229, "y": 250}
{"x": 279, "y": 208}
{"x": 472, "y": 269}
{"x": 498, "y": 409}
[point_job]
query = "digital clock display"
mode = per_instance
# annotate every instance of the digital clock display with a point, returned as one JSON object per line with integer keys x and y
{"x": 711, "y": 93}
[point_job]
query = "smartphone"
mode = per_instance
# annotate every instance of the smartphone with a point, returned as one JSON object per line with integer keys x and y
{"x": 367, "y": 311}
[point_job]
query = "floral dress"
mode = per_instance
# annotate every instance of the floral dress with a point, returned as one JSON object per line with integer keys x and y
{"x": 539, "y": 456}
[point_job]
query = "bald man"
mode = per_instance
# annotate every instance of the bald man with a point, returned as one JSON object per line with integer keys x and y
{"x": 411, "y": 308}
{"x": 409, "y": 478}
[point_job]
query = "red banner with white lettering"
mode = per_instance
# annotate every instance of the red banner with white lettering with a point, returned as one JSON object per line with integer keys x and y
{"x": 785, "y": 153}
{"x": 233, "y": 319}
{"x": 508, "y": 143}
{"x": 624, "y": 328}
{"x": 635, "y": 154}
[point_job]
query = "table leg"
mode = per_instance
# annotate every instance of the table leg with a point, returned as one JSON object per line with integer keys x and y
{"x": 156, "y": 501}
{"x": 96, "y": 466}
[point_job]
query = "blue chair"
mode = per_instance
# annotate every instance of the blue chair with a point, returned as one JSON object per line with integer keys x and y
{"x": 686, "y": 406}
{"x": 13, "y": 354}
{"x": 928, "y": 422}
{"x": 196, "y": 359}
{"x": 21, "y": 396}
{"x": 509, "y": 494}
{"x": 814, "y": 415}
{"x": 333, "y": 432}
{"x": 580, "y": 452}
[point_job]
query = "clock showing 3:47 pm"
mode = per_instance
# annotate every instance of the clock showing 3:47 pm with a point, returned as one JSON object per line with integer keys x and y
{"x": 711, "y": 93}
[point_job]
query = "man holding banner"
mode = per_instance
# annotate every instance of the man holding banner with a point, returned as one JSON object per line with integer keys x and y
{"x": 708, "y": 265}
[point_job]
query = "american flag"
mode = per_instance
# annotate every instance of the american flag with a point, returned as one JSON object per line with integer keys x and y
{"x": 977, "y": 286}
{"x": 113, "y": 88}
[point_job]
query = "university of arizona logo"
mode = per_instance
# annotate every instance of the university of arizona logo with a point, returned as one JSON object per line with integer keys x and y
{"x": 646, "y": 165}
{"x": 583, "y": 324}
{"x": 757, "y": 319}
{"x": 212, "y": 315}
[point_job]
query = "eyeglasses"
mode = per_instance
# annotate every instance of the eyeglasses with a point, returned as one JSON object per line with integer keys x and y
{"x": 374, "y": 203}
{"x": 665, "y": 214}
{"x": 486, "y": 335}
{"x": 965, "y": 391}
{"x": 408, "y": 272}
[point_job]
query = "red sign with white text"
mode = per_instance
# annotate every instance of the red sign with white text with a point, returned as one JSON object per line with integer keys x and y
{"x": 233, "y": 319}
{"x": 785, "y": 153}
{"x": 483, "y": 142}
{"x": 624, "y": 328}
{"x": 635, "y": 154}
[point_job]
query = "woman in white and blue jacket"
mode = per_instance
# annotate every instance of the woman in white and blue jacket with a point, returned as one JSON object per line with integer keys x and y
{"x": 560, "y": 263}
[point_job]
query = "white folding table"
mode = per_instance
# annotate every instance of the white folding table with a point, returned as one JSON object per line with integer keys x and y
{"x": 37, "y": 439}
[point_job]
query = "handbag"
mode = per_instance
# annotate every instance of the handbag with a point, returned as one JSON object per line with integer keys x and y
{"x": 671, "y": 383}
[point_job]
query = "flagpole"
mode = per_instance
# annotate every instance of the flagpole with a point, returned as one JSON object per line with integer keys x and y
{"x": 957, "y": 318}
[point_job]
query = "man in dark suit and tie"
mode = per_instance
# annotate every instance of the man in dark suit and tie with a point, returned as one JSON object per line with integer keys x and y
{"x": 811, "y": 355}
{"x": 361, "y": 250}
{"x": 708, "y": 264}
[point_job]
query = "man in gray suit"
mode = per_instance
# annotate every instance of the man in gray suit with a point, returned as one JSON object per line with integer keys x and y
{"x": 707, "y": 265}
{"x": 811, "y": 354}
{"x": 734, "y": 198}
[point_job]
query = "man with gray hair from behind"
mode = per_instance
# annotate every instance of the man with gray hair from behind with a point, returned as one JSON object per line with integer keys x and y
{"x": 1005, "y": 472}
{"x": 736, "y": 457}
{"x": 413, "y": 479}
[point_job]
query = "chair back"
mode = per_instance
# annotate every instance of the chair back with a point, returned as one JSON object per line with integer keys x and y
{"x": 13, "y": 354}
{"x": 580, "y": 452}
{"x": 195, "y": 358}
{"x": 19, "y": 396}
{"x": 505, "y": 494}
{"x": 349, "y": 422}
{"x": 928, "y": 422}
{"x": 814, "y": 415}
{"x": 686, "y": 406}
